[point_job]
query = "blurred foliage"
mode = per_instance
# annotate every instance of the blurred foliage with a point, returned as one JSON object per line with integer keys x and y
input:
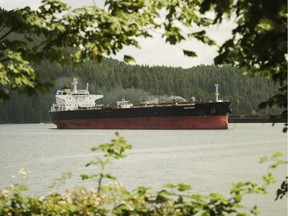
{"x": 110, "y": 198}
{"x": 276, "y": 160}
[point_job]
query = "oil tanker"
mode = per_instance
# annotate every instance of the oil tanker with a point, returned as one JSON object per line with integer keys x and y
{"x": 77, "y": 109}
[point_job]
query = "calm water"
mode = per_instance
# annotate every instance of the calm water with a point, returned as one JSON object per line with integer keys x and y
{"x": 209, "y": 160}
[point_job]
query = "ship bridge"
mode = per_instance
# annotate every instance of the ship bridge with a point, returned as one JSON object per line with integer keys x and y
{"x": 74, "y": 99}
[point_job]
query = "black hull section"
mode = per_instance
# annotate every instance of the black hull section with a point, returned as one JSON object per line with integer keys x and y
{"x": 176, "y": 110}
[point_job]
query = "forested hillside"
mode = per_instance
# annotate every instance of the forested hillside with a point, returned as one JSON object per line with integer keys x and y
{"x": 116, "y": 80}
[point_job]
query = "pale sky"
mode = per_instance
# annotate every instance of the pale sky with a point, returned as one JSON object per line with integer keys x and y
{"x": 153, "y": 51}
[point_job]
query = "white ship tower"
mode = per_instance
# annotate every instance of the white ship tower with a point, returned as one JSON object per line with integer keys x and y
{"x": 217, "y": 93}
{"x": 67, "y": 99}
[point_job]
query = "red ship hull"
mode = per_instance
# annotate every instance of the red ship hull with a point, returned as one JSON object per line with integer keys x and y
{"x": 179, "y": 122}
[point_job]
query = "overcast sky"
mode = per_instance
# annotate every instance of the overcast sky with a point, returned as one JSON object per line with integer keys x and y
{"x": 153, "y": 51}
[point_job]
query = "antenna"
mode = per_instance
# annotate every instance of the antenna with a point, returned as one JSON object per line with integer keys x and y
{"x": 217, "y": 93}
{"x": 74, "y": 84}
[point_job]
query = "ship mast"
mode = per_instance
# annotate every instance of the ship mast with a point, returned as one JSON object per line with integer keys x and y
{"x": 74, "y": 84}
{"x": 217, "y": 93}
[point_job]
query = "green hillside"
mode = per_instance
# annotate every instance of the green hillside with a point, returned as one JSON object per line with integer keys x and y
{"x": 116, "y": 80}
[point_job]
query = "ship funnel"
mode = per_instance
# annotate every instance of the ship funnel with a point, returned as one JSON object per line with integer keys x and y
{"x": 217, "y": 92}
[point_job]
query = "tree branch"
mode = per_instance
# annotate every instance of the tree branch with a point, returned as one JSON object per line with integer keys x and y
{"x": 9, "y": 32}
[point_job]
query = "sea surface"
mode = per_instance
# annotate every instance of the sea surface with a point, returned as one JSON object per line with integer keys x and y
{"x": 209, "y": 160}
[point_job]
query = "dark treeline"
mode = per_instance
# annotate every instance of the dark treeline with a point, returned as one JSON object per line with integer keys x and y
{"x": 116, "y": 80}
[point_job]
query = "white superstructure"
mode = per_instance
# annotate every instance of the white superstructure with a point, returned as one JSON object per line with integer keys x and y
{"x": 124, "y": 104}
{"x": 74, "y": 99}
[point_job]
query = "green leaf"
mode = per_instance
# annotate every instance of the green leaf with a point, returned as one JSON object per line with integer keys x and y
{"x": 189, "y": 53}
{"x": 95, "y": 148}
{"x": 84, "y": 176}
{"x": 276, "y": 155}
{"x": 269, "y": 178}
{"x": 183, "y": 187}
{"x": 109, "y": 176}
{"x": 129, "y": 59}
{"x": 238, "y": 198}
{"x": 142, "y": 189}
{"x": 170, "y": 186}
